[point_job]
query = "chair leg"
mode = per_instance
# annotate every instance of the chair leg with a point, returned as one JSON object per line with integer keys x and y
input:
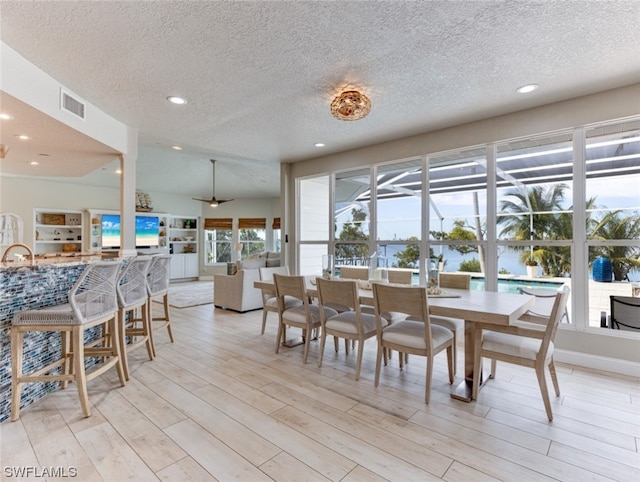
{"x": 336, "y": 342}
{"x": 67, "y": 363}
{"x": 150, "y": 312}
{"x": 455, "y": 353}
{"x": 165, "y": 303}
{"x": 379, "y": 362}
{"x": 78, "y": 369}
{"x": 323, "y": 339}
{"x": 494, "y": 365}
{"x": 359, "y": 362}
{"x": 544, "y": 391}
{"x": 554, "y": 377}
{"x": 427, "y": 388}
{"x": 116, "y": 348}
{"x": 264, "y": 320}
{"x": 123, "y": 343}
{"x": 280, "y": 334}
{"x": 346, "y": 346}
{"x": 451, "y": 363}
{"x": 307, "y": 343}
{"x": 146, "y": 320}
{"x": 16, "y": 372}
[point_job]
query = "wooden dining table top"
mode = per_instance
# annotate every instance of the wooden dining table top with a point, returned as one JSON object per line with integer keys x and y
{"x": 476, "y": 306}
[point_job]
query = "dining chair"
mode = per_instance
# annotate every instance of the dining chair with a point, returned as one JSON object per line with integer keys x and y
{"x": 131, "y": 289}
{"x": 544, "y": 302}
{"x": 415, "y": 336}
{"x": 400, "y": 276}
{"x": 625, "y": 313}
{"x": 269, "y": 299}
{"x": 526, "y": 345}
{"x": 304, "y": 315}
{"x": 458, "y": 281}
{"x": 158, "y": 286}
{"x": 91, "y": 304}
{"x": 354, "y": 272}
{"x": 350, "y": 324}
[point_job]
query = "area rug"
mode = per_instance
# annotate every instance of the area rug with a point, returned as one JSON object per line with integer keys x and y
{"x": 190, "y": 294}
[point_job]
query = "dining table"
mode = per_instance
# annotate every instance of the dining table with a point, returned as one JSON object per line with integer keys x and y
{"x": 473, "y": 306}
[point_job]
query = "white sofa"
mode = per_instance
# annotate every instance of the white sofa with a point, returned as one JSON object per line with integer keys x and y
{"x": 236, "y": 292}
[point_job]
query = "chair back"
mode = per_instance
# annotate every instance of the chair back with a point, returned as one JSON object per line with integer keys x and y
{"x": 354, "y": 272}
{"x": 457, "y": 281}
{"x": 93, "y": 296}
{"x": 544, "y": 302}
{"x": 132, "y": 282}
{"x": 342, "y": 294}
{"x": 289, "y": 286}
{"x": 409, "y": 300}
{"x": 267, "y": 273}
{"x": 625, "y": 313}
{"x": 159, "y": 275}
{"x": 400, "y": 276}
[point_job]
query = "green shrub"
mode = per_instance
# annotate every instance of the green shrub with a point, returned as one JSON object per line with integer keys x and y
{"x": 472, "y": 265}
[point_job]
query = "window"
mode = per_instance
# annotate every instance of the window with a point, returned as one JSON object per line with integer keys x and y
{"x": 218, "y": 235}
{"x": 277, "y": 235}
{"x": 252, "y": 235}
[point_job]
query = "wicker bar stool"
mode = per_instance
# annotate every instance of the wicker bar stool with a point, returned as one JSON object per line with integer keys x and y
{"x": 158, "y": 285}
{"x": 92, "y": 303}
{"x": 132, "y": 295}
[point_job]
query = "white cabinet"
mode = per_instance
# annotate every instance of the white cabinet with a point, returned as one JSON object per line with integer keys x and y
{"x": 57, "y": 231}
{"x": 184, "y": 265}
{"x": 183, "y": 234}
{"x": 104, "y": 228}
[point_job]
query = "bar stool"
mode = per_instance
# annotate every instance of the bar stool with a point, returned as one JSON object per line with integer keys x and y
{"x": 158, "y": 285}
{"x": 92, "y": 303}
{"x": 132, "y": 295}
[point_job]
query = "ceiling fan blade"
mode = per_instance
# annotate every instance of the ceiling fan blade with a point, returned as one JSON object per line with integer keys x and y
{"x": 220, "y": 201}
{"x": 203, "y": 200}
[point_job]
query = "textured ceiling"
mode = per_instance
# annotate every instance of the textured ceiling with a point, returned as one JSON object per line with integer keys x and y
{"x": 260, "y": 76}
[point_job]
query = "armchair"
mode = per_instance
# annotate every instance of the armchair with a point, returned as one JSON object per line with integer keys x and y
{"x": 236, "y": 292}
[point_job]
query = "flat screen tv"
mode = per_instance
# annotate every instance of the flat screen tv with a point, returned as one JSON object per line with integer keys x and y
{"x": 110, "y": 231}
{"x": 147, "y": 231}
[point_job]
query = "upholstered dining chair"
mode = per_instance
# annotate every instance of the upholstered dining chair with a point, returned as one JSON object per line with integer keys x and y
{"x": 350, "y": 324}
{"x": 458, "y": 281}
{"x": 304, "y": 315}
{"x": 158, "y": 286}
{"x": 400, "y": 276}
{"x": 131, "y": 289}
{"x": 625, "y": 313}
{"x": 91, "y": 304}
{"x": 415, "y": 336}
{"x": 269, "y": 299}
{"x": 526, "y": 345}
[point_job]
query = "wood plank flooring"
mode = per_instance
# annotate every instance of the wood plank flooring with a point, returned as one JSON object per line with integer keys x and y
{"x": 219, "y": 404}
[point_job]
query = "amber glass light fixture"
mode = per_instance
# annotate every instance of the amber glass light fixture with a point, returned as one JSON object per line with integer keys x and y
{"x": 350, "y": 105}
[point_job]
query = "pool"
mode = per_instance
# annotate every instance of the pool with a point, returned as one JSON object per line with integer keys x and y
{"x": 514, "y": 285}
{"x": 507, "y": 285}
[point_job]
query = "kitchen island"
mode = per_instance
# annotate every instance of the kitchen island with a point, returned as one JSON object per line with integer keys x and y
{"x": 24, "y": 285}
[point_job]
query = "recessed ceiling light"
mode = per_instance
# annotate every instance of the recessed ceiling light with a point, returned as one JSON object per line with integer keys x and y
{"x": 22, "y": 137}
{"x": 5, "y": 116}
{"x": 177, "y": 148}
{"x": 34, "y": 163}
{"x": 525, "y": 89}
{"x": 176, "y": 100}
{"x": 319, "y": 144}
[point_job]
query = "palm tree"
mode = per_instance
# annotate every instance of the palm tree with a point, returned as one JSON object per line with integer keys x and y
{"x": 623, "y": 258}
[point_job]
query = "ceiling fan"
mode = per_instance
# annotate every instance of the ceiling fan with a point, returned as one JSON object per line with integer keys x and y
{"x": 213, "y": 202}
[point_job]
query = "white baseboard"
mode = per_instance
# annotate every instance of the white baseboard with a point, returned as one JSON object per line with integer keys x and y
{"x": 613, "y": 365}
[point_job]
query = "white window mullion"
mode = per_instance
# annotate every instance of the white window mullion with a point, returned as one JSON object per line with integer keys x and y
{"x": 580, "y": 255}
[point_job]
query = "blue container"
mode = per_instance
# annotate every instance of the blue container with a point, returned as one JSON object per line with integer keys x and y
{"x": 602, "y": 269}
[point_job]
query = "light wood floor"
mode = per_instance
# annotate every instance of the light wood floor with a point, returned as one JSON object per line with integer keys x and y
{"x": 219, "y": 404}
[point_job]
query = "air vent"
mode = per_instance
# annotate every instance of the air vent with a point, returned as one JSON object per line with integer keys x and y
{"x": 71, "y": 104}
